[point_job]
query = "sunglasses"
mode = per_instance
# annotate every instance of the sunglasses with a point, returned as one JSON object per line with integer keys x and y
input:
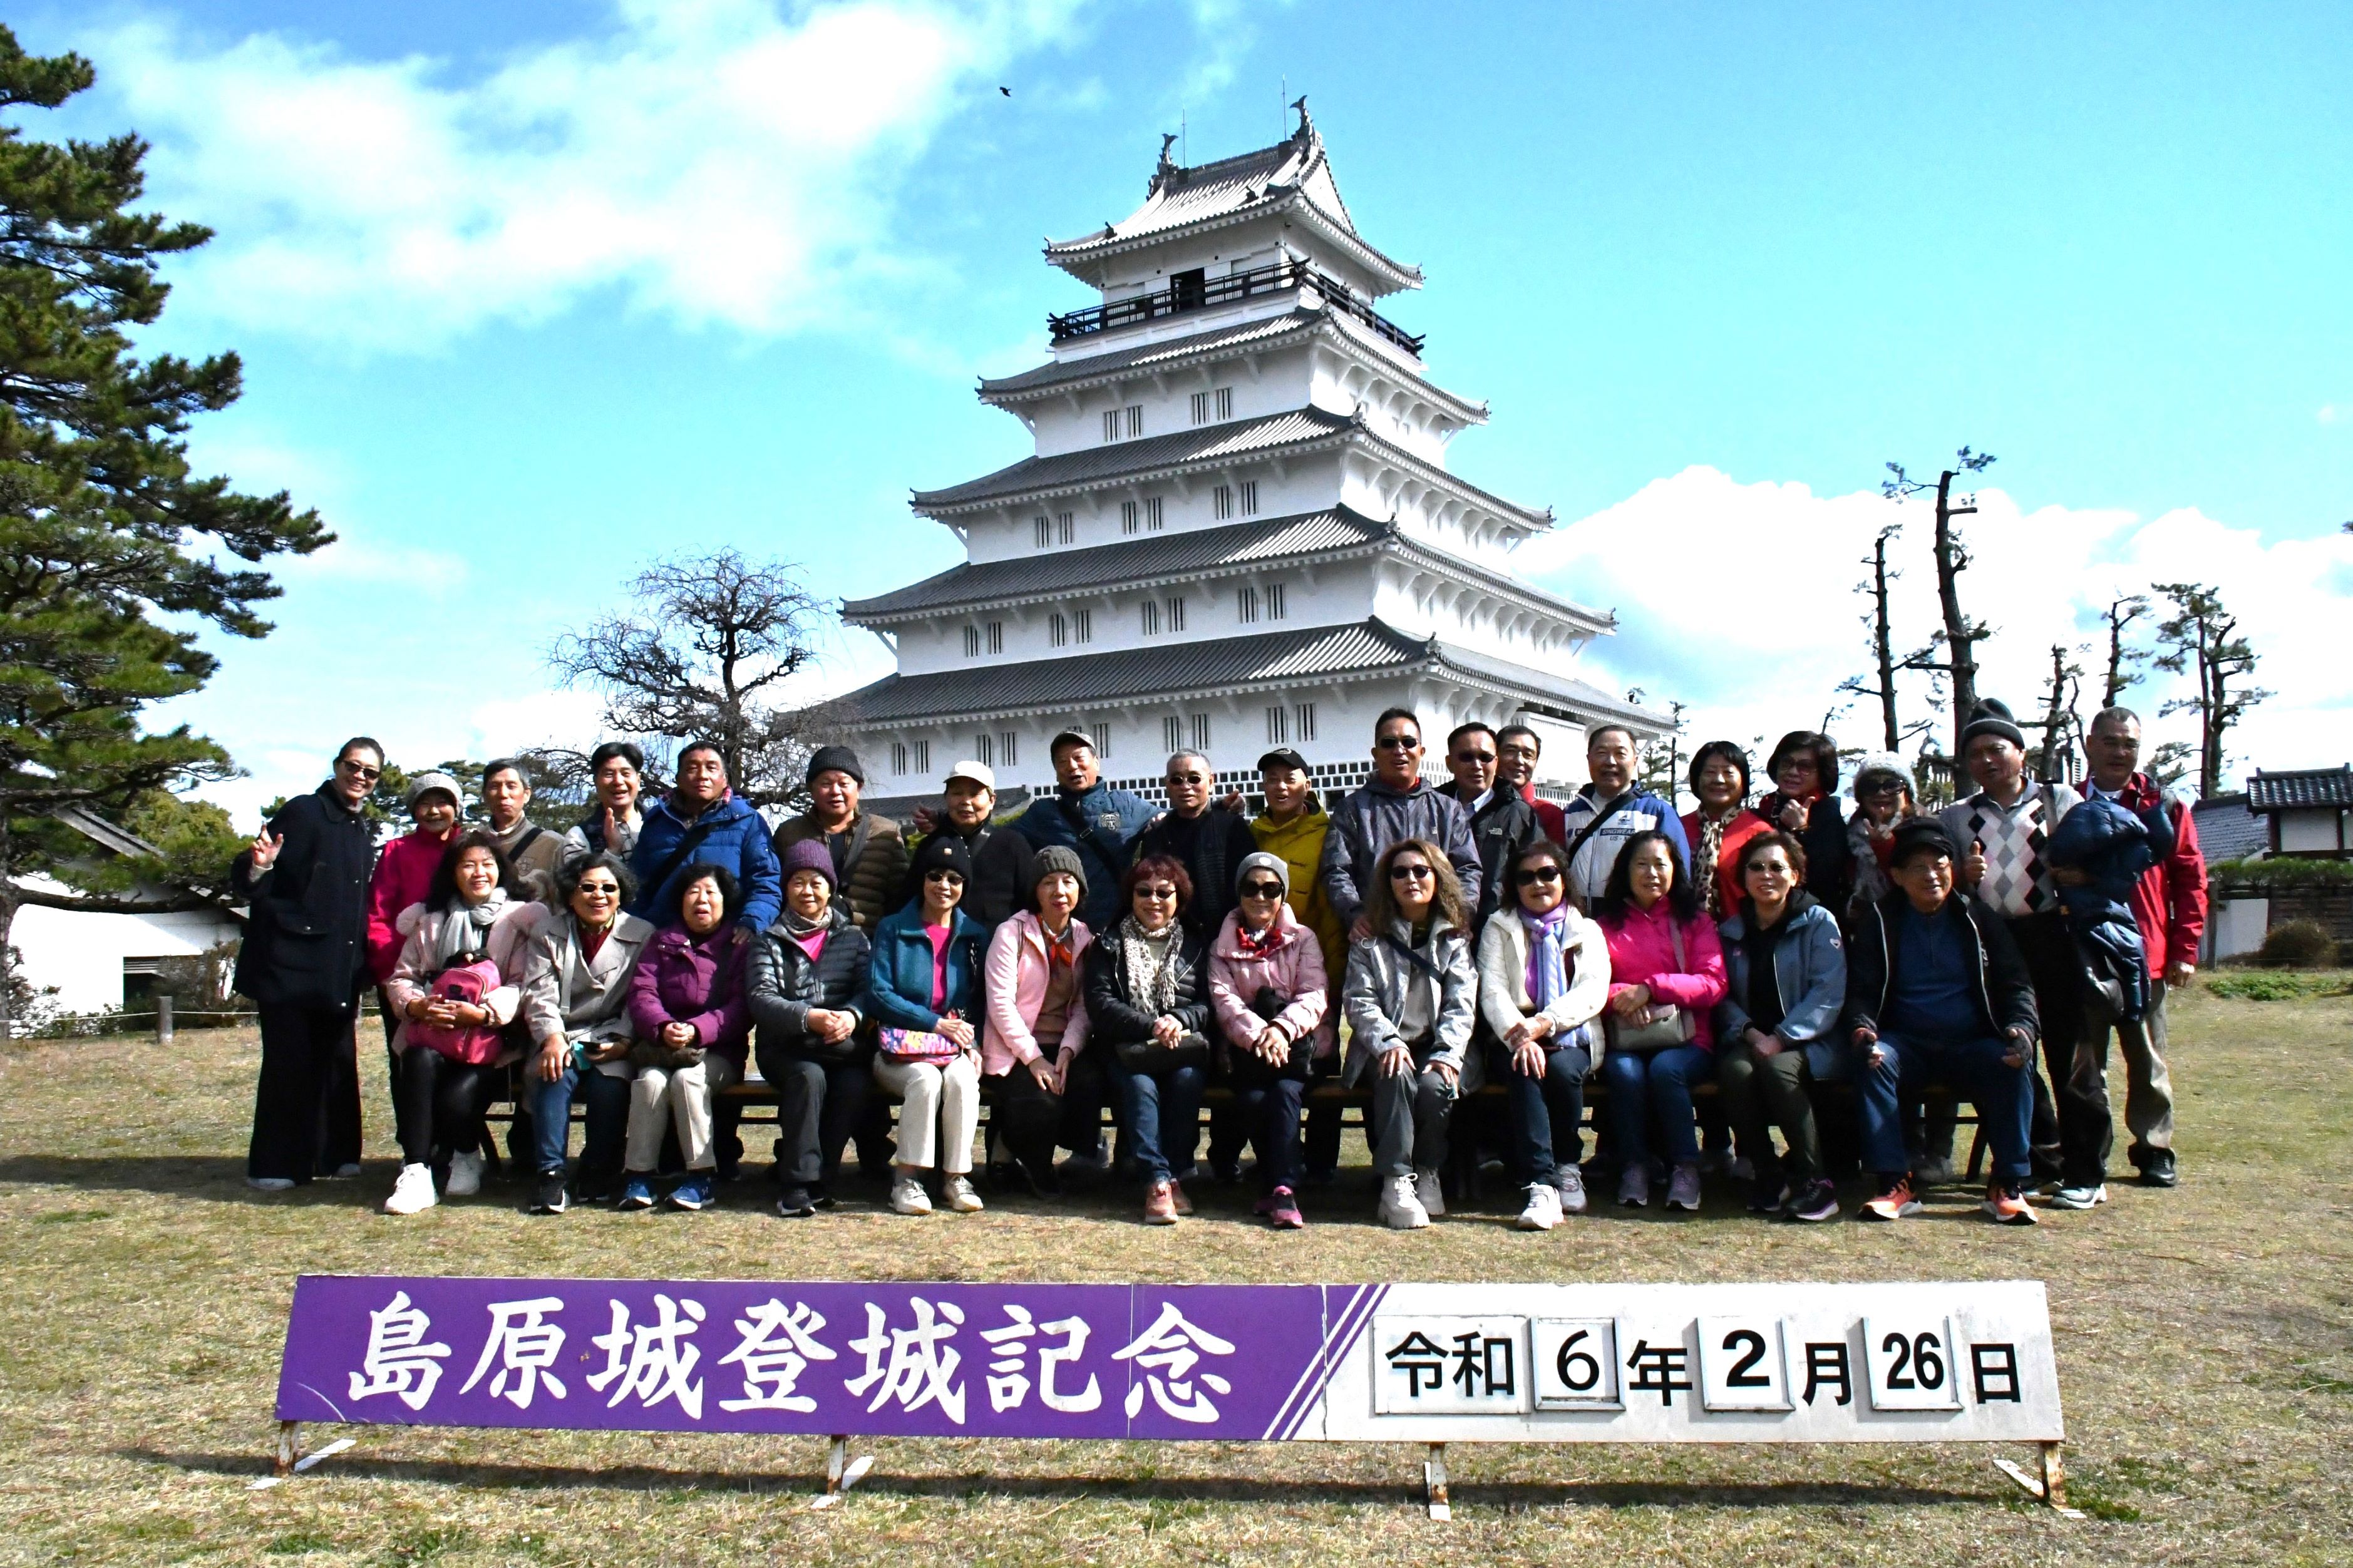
{"x": 1187, "y": 779}
{"x": 1481, "y": 757}
{"x": 1163, "y": 892}
{"x": 1397, "y": 742}
{"x": 939, "y": 874}
{"x": 1261, "y": 889}
{"x": 601, "y": 889}
{"x": 361, "y": 771}
{"x": 1530, "y": 876}
{"x": 1410, "y": 873}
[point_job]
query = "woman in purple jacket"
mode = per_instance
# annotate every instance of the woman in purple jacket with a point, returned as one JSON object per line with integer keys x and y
{"x": 693, "y": 1027}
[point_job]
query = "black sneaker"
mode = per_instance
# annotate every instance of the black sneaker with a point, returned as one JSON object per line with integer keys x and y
{"x": 1042, "y": 1179}
{"x": 1767, "y": 1194}
{"x": 1814, "y": 1203}
{"x": 2157, "y": 1169}
{"x": 553, "y": 1197}
{"x": 795, "y": 1203}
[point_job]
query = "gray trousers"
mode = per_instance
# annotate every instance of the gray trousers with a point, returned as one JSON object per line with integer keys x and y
{"x": 2148, "y": 1088}
{"x": 661, "y": 1096}
{"x": 1410, "y": 1115}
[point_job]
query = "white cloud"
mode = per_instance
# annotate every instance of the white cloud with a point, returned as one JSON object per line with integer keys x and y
{"x": 1736, "y": 598}
{"x": 708, "y": 159}
{"x": 2328, "y": 413}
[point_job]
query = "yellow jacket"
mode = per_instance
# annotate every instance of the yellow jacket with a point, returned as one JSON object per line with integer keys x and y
{"x": 1300, "y": 843}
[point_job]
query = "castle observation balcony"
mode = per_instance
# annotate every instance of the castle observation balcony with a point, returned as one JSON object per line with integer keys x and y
{"x": 1196, "y": 290}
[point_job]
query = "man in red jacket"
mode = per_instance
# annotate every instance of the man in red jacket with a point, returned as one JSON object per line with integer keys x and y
{"x": 2168, "y": 904}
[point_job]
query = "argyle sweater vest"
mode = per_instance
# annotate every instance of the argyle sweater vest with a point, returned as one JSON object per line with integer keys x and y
{"x": 2017, "y": 876}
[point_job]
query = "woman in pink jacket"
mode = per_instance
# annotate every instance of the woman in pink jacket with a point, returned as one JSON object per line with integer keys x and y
{"x": 1269, "y": 994}
{"x": 404, "y": 872}
{"x": 1034, "y": 1023}
{"x": 1666, "y": 975}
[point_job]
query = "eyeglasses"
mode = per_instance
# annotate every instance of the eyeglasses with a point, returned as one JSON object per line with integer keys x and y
{"x": 361, "y": 771}
{"x": 1187, "y": 779}
{"x": 1414, "y": 873}
{"x": 1528, "y": 876}
{"x": 1261, "y": 889}
{"x": 1397, "y": 742}
{"x": 1162, "y": 891}
{"x": 1880, "y": 786}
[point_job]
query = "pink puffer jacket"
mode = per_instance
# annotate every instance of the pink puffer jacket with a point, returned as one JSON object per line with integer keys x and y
{"x": 1292, "y": 963}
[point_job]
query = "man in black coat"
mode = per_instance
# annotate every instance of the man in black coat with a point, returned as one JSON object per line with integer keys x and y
{"x": 1207, "y": 840}
{"x": 1502, "y": 821}
{"x": 303, "y": 962}
{"x": 1937, "y": 993}
{"x": 1001, "y": 855}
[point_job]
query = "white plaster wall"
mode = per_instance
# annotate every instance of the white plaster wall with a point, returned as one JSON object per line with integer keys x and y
{"x": 2309, "y": 831}
{"x": 81, "y": 953}
{"x": 2236, "y": 925}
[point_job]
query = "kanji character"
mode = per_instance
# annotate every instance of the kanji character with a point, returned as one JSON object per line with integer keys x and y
{"x": 921, "y": 1362}
{"x": 775, "y": 1348}
{"x": 525, "y": 1346}
{"x": 1827, "y": 1366}
{"x": 1168, "y": 1352}
{"x": 1475, "y": 1361}
{"x": 1993, "y": 1367}
{"x": 658, "y": 1359}
{"x": 1008, "y": 1384}
{"x": 398, "y": 1361}
{"x": 1418, "y": 1357}
{"x": 1662, "y": 1369}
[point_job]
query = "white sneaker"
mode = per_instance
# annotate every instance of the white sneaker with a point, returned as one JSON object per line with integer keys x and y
{"x": 957, "y": 1190}
{"x": 465, "y": 1176}
{"x": 907, "y": 1196}
{"x": 1569, "y": 1182}
{"x": 1400, "y": 1210}
{"x": 270, "y": 1183}
{"x": 2080, "y": 1197}
{"x": 413, "y": 1192}
{"x": 1430, "y": 1193}
{"x": 1543, "y": 1212}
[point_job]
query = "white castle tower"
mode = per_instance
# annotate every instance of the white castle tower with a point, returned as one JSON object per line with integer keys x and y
{"x": 1238, "y": 530}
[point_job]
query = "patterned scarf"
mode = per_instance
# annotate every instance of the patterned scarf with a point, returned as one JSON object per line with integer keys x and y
{"x": 1547, "y": 955}
{"x": 1257, "y": 944}
{"x": 1057, "y": 947}
{"x": 1155, "y": 969}
{"x": 466, "y": 928}
{"x": 1704, "y": 855}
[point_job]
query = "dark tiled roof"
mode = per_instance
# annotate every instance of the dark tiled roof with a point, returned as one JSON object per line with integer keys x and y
{"x": 2227, "y": 830}
{"x": 1367, "y": 647}
{"x": 1141, "y": 559}
{"x": 1150, "y": 453}
{"x": 2302, "y": 787}
{"x": 1144, "y": 355}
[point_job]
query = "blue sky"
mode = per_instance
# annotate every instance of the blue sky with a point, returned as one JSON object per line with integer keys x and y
{"x": 528, "y": 294}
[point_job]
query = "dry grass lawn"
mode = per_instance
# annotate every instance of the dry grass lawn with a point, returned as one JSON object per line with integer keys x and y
{"x": 2205, "y": 1341}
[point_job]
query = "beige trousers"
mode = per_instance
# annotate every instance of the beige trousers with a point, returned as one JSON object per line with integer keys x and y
{"x": 939, "y": 1111}
{"x": 679, "y": 1095}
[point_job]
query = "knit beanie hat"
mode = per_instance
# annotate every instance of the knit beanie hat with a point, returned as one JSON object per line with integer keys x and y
{"x": 1262, "y": 861}
{"x": 1921, "y": 836}
{"x": 425, "y": 784}
{"x": 1880, "y": 763}
{"x": 833, "y": 760}
{"x": 809, "y": 855}
{"x": 1989, "y": 717}
{"x": 942, "y": 851}
{"x": 1061, "y": 859}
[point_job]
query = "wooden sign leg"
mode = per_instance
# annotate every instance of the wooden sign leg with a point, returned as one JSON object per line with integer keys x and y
{"x": 287, "y": 1448}
{"x": 2051, "y": 1486}
{"x": 841, "y": 1471}
{"x": 1433, "y": 1480}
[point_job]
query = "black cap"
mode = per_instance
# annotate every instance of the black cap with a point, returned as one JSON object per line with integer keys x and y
{"x": 943, "y": 851}
{"x": 835, "y": 760}
{"x": 1282, "y": 757}
{"x": 1923, "y": 835}
{"x": 1992, "y": 717}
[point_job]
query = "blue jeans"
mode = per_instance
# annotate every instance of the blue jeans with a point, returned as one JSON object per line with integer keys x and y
{"x": 2004, "y": 1096}
{"x": 607, "y": 1100}
{"x": 1642, "y": 1082}
{"x": 1547, "y": 1115}
{"x": 1164, "y": 1118}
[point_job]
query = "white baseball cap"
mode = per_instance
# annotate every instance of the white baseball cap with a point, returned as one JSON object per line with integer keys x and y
{"x": 980, "y": 774}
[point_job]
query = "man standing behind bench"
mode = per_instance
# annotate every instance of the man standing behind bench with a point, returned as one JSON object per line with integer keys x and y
{"x": 869, "y": 852}
{"x": 1100, "y": 822}
{"x": 1398, "y": 803}
{"x": 1000, "y": 855}
{"x": 1609, "y": 811}
{"x": 704, "y": 822}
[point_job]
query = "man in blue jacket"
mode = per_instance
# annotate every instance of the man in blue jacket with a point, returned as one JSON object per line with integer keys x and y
{"x": 1100, "y": 822}
{"x": 703, "y": 822}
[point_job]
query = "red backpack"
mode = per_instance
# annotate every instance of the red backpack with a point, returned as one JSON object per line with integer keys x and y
{"x": 468, "y": 978}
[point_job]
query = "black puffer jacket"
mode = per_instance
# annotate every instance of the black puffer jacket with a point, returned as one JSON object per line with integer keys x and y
{"x": 1114, "y": 1021}
{"x": 2005, "y": 990}
{"x": 306, "y": 937}
{"x": 782, "y": 985}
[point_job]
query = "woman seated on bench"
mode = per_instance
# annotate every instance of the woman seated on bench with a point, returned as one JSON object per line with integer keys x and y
{"x": 1274, "y": 1007}
{"x": 1036, "y": 1023}
{"x": 686, "y": 1001}
{"x": 1411, "y": 997}
{"x": 1666, "y": 975}
{"x": 1147, "y": 1000}
{"x": 808, "y": 997}
{"x": 577, "y": 973}
{"x": 1784, "y": 974}
{"x": 454, "y": 989}
{"x": 1544, "y": 977}
{"x": 923, "y": 987}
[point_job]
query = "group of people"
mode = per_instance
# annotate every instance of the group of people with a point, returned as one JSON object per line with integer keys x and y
{"x": 1417, "y": 940}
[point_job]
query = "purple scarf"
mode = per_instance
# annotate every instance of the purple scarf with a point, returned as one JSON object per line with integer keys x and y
{"x": 1547, "y": 955}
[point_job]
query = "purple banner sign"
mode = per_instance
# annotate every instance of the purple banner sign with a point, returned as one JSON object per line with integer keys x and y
{"x": 882, "y": 1360}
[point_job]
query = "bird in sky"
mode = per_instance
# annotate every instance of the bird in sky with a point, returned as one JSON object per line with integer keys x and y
{"x": 1006, "y": 90}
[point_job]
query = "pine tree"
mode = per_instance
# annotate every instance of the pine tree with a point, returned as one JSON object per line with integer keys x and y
{"x": 104, "y": 531}
{"x": 2201, "y": 641}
